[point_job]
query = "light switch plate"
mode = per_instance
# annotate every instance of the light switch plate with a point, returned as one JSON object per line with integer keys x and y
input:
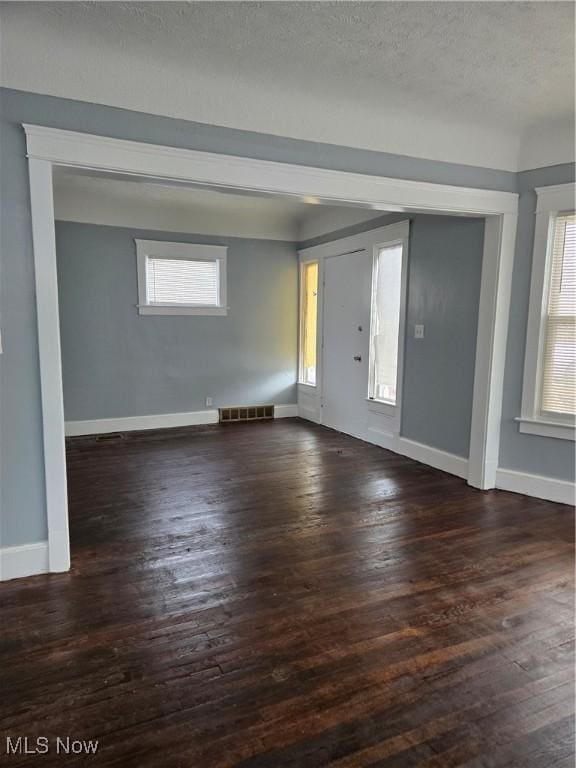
{"x": 418, "y": 331}
{"x": 208, "y": 401}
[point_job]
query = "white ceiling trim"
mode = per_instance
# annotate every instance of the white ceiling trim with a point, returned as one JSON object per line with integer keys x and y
{"x": 72, "y": 148}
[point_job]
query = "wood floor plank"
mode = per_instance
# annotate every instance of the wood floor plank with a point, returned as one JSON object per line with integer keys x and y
{"x": 278, "y": 594}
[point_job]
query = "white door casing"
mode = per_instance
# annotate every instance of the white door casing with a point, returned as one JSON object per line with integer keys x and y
{"x": 375, "y": 421}
{"x": 346, "y": 302}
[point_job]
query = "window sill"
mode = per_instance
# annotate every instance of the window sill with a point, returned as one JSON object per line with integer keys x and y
{"x": 305, "y": 387}
{"x": 171, "y": 309}
{"x": 546, "y": 428}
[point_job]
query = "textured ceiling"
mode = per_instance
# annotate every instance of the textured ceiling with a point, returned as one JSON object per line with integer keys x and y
{"x": 508, "y": 66}
{"x": 510, "y": 60}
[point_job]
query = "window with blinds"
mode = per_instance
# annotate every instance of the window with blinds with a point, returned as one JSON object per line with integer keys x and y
{"x": 558, "y": 356}
{"x": 182, "y": 282}
{"x": 181, "y": 278}
{"x": 308, "y": 322}
{"x": 385, "y": 329}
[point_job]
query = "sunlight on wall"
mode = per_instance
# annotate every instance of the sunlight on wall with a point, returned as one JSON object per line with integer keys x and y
{"x": 308, "y": 323}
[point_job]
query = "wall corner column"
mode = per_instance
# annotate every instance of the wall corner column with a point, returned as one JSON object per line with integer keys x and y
{"x": 44, "y": 243}
{"x": 493, "y": 317}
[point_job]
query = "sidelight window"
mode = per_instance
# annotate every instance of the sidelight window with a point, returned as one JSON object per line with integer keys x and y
{"x": 308, "y": 322}
{"x": 385, "y": 326}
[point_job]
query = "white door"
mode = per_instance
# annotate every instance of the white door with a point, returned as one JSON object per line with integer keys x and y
{"x": 346, "y": 341}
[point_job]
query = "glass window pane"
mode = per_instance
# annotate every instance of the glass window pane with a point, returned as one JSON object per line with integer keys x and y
{"x": 558, "y": 394}
{"x": 182, "y": 281}
{"x": 308, "y": 321}
{"x": 386, "y": 324}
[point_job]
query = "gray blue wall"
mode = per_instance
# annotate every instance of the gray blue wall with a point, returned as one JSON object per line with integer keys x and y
{"x": 22, "y": 502}
{"x": 116, "y": 362}
{"x": 444, "y": 275}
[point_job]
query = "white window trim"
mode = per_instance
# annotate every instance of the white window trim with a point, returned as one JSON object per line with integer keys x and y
{"x": 399, "y": 235}
{"x": 190, "y": 251}
{"x": 550, "y": 201}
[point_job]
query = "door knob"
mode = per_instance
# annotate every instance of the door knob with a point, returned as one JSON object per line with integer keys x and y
{"x": 358, "y": 358}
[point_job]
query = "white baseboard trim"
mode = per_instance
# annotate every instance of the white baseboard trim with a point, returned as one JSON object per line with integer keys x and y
{"x": 133, "y": 423}
{"x": 157, "y": 421}
{"x": 434, "y": 457}
{"x": 25, "y": 560}
{"x": 380, "y": 437}
{"x": 540, "y": 486}
{"x": 285, "y": 411}
{"x": 310, "y": 414}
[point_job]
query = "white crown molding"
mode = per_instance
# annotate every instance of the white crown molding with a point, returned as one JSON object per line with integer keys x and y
{"x": 72, "y": 148}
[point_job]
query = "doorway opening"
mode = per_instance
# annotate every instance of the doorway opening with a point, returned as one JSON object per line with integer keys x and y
{"x": 50, "y": 148}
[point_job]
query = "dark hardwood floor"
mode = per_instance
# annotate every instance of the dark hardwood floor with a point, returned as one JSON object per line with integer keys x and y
{"x": 278, "y": 594}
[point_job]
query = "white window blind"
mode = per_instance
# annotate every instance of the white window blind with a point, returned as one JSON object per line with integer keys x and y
{"x": 182, "y": 282}
{"x": 558, "y": 394}
{"x": 386, "y": 324}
